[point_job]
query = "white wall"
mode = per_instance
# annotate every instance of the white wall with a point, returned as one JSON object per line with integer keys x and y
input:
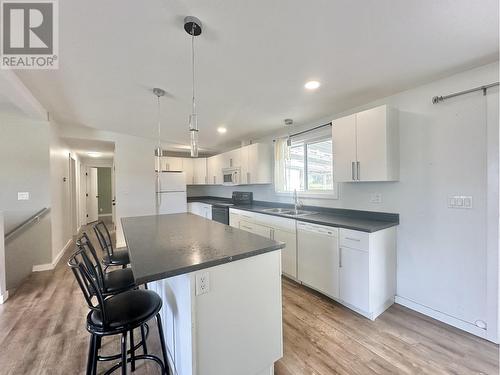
{"x": 445, "y": 257}
{"x": 3, "y": 288}
{"x": 134, "y": 171}
{"x": 60, "y": 192}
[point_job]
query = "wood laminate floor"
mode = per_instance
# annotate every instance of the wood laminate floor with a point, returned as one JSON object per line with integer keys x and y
{"x": 42, "y": 331}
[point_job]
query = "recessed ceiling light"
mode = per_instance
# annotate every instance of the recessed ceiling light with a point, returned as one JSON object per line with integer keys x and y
{"x": 94, "y": 154}
{"x": 312, "y": 85}
{"x": 221, "y": 130}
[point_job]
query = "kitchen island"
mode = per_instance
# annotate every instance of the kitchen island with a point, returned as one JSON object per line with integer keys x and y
{"x": 221, "y": 292}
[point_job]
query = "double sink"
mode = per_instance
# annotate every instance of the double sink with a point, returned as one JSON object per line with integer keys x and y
{"x": 288, "y": 212}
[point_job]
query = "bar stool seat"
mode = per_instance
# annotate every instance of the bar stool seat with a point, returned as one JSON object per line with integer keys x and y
{"x": 125, "y": 311}
{"x": 118, "y": 281}
{"x": 119, "y": 258}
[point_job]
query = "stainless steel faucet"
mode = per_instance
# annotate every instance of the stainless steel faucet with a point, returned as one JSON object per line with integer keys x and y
{"x": 297, "y": 203}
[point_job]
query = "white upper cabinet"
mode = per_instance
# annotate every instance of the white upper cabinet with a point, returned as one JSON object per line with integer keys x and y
{"x": 344, "y": 148}
{"x": 200, "y": 171}
{"x": 232, "y": 159}
{"x": 366, "y": 146}
{"x": 256, "y": 164}
{"x": 214, "y": 168}
{"x": 188, "y": 169}
{"x": 170, "y": 163}
{"x": 254, "y": 160}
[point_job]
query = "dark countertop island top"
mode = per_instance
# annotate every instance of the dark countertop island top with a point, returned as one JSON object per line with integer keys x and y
{"x": 162, "y": 246}
{"x": 365, "y": 221}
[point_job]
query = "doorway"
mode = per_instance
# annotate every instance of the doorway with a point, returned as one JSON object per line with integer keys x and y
{"x": 99, "y": 193}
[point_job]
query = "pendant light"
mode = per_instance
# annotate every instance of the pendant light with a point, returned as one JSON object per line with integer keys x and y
{"x": 193, "y": 27}
{"x": 158, "y": 151}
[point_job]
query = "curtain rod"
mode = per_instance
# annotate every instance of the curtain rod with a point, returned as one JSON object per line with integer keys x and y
{"x": 307, "y": 131}
{"x": 438, "y": 99}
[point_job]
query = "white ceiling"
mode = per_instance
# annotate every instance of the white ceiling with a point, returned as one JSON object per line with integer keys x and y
{"x": 253, "y": 59}
{"x": 83, "y": 146}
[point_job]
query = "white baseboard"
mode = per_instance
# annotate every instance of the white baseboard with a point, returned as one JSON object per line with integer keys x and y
{"x": 53, "y": 264}
{"x": 3, "y": 297}
{"x": 442, "y": 317}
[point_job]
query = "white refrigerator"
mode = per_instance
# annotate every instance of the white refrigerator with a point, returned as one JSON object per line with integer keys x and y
{"x": 171, "y": 196}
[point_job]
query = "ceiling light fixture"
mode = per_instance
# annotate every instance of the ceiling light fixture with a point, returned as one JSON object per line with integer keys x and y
{"x": 94, "y": 154}
{"x": 222, "y": 130}
{"x": 193, "y": 27}
{"x": 312, "y": 85}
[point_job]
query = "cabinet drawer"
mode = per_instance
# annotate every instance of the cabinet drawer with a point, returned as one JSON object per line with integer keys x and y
{"x": 354, "y": 239}
{"x": 242, "y": 213}
{"x": 276, "y": 222}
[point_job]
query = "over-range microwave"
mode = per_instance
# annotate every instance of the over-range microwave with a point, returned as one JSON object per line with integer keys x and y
{"x": 231, "y": 176}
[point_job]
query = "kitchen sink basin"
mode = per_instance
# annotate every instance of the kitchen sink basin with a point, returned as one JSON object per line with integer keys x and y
{"x": 288, "y": 212}
{"x": 300, "y": 213}
{"x": 282, "y": 211}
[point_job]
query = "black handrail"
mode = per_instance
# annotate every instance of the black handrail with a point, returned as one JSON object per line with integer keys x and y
{"x": 28, "y": 222}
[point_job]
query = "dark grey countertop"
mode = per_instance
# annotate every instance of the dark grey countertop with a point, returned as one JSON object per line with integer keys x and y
{"x": 162, "y": 246}
{"x": 365, "y": 221}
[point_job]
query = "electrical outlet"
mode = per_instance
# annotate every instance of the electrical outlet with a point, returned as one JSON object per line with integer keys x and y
{"x": 375, "y": 198}
{"x": 202, "y": 283}
{"x": 23, "y": 196}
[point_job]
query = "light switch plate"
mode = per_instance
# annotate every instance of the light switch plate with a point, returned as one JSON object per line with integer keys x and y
{"x": 375, "y": 198}
{"x": 23, "y": 196}
{"x": 460, "y": 201}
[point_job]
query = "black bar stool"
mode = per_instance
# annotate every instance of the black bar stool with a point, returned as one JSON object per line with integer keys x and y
{"x": 118, "y": 314}
{"x": 112, "y": 283}
{"x": 112, "y": 257}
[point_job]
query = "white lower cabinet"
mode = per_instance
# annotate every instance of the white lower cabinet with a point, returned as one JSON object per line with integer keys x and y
{"x": 200, "y": 209}
{"x": 255, "y": 228}
{"x": 274, "y": 227}
{"x": 367, "y": 270}
{"x": 289, "y": 253}
{"x": 354, "y": 282}
{"x": 355, "y": 268}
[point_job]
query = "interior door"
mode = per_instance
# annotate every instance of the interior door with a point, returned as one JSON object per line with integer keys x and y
{"x": 354, "y": 287}
{"x": 92, "y": 196}
{"x": 344, "y": 148}
{"x": 371, "y": 133}
{"x": 289, "y": 253}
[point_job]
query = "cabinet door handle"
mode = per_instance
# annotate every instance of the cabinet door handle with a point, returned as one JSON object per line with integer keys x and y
{"x": 357, "y": 170}
{"x": 353, "y": 239}
{"x": 214, "y": 180}
{"x": 248, "y": 177}
{"x": 231, "y": 162}
{"x": 340, "y": 257}
{"x": 352, "y": 170}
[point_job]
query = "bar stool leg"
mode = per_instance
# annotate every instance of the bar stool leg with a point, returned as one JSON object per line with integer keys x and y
{"x": 144, "y": 344}
{"x": 90, "y": 359}
{"x": 132, "y": 351}
{"x": 162, "y": 343}
{"x": 124, "y": 353}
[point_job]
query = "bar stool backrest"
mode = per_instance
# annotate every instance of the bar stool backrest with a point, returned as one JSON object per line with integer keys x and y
{"x": 104, "y": 238}
{"x": 88, "y": 279}
{"x": 85, "y": 243}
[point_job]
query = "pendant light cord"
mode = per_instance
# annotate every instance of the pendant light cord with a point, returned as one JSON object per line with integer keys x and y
{"x": 159, "y": 124}
{"x": 193, "y": 70}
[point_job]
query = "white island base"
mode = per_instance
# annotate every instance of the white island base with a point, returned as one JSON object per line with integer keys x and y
{"x": 233, "y": 329}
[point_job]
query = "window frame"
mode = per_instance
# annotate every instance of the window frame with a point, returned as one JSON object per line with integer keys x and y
{"x": 315, "y": 193}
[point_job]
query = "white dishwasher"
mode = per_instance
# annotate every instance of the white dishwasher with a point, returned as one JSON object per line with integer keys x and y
{"x": 318, "y": 257}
